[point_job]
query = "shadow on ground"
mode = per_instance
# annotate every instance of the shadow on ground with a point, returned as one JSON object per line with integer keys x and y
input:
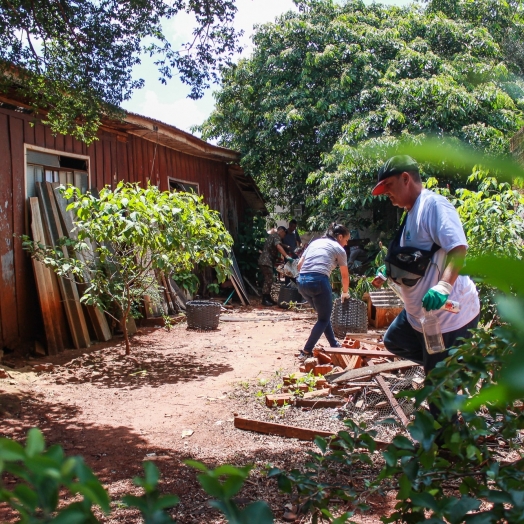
{"x": 116, "y": 454}
{"x": 144, "y": 368}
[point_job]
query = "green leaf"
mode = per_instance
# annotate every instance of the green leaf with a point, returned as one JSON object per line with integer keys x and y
{"x": 212, "y": 486}
{"x": 256, "y": 513}
{"x": 424, "y": 500}
{"x": 402, "y": 442}
{"x": 35, "y": 443}
{"x": 405, "y": 487}
{"x": 11, "y": 450}
{"x": 321, "y": 443}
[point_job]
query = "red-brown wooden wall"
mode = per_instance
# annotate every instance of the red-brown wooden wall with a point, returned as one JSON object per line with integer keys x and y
{"x": 114, "y": 157}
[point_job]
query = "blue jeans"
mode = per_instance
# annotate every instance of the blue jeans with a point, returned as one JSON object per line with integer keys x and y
{"x": 316, "y": 289}
{"x": 408, "y": 343}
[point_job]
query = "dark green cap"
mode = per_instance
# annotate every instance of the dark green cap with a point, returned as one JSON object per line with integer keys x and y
{"x": 396, "y": 165}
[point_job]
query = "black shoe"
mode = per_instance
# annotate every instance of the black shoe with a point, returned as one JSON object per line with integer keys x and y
{"x": 266, "y": 301}
{"x": 304, "y": 355}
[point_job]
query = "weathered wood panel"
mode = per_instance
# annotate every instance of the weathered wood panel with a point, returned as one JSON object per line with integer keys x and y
{"x": 130, "y": 158}
{"x": 39, "y": 135}
{"x": 22, "y": 264}
{"x": 8, "y": 306}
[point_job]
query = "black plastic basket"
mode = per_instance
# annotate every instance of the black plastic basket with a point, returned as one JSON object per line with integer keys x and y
{"x": 350, "y": 316}
{"x": 202, "y": 314}
{"x": 287, "y": 295}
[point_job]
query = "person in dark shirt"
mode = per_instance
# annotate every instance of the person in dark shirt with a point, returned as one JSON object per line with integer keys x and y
{"x": 292, "y": 238}
{"x": 267, "y": 259}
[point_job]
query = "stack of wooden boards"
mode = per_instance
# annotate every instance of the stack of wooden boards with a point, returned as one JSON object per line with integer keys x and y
{"x": 66, "y": 321}
{"x": 238, "y": 284}
{"x": 365, "y": 358}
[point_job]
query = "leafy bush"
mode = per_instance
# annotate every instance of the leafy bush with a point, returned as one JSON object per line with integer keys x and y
{"x": 249, "y": 242}
{"x": 493, "y": 221}
{"x": 42, "y": 476}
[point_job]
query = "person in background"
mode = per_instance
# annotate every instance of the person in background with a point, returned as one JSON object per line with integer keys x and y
{"x": 267, "y": 259}
{"x": 315, "y": 266}
{"x": 292, "y": 238}
{"x": 430, "y": 220}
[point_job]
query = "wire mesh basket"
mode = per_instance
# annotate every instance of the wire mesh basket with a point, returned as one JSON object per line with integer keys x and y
{"x": 350, "y": 316}
{"x": 287, "y": 295}
{"x": 202, "y": 314}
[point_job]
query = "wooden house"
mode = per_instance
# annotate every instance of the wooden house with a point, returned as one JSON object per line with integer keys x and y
{"x": 138, "y": 149}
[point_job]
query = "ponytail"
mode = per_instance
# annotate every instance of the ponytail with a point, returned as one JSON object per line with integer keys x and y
{"x": 335, "y": 230}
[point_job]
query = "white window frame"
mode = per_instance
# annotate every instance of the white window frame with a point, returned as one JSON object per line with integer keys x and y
{"x": 54, "y": 152}
{"x": 51, "y": 152}
{"x": 169, "y": 178}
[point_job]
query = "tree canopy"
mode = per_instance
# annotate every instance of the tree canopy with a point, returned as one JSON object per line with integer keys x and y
{"x": 325, "y": 83}
{"x": 74, "y": 60}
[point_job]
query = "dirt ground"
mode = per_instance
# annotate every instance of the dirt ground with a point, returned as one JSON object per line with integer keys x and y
{"x": 118, "y": 411}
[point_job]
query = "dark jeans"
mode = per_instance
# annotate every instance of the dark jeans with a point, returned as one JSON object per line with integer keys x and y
{"x": 406, "y": 342}
{"x": 316, "y": 289}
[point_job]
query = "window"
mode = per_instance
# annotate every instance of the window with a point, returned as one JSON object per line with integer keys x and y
{"x": 44, "y": 166}
{"x": 182, "y": 185}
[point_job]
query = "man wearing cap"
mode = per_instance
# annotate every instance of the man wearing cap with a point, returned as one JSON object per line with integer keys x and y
{"x": 431, "y": 221}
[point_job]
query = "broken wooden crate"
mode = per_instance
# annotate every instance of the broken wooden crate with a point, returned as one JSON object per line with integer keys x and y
{"x": 383, "y": 307}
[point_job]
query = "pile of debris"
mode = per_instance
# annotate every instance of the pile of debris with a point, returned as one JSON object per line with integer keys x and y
{"x": 360, "y": 380}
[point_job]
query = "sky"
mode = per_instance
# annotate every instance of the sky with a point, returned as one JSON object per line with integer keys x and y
{"x": 169, "y": 103}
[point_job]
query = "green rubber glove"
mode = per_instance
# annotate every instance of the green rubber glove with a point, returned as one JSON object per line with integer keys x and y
{"x": 381, "y": 270}
{"x": 437, "y": 296}
{"x": 289, "y": 259}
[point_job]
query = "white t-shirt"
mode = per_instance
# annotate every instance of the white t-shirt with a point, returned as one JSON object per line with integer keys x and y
{"x": 433, "y": 219}
{"x": 323, "y": 256}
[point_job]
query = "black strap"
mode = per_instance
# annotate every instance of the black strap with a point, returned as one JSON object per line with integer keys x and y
{"x": 434, "y": 248}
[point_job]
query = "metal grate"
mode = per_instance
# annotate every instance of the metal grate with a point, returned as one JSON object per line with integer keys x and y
{"x": 370, "y": 404}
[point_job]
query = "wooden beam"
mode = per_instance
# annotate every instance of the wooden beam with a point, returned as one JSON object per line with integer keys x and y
{"x": 368, "y": 371}
{"x": 320, "y": 403}
{"x": 251, "y": 286}
{"x": 233, "y": 279}
{"x": 282, "y": 430}
{"x": 361, "y": 352}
